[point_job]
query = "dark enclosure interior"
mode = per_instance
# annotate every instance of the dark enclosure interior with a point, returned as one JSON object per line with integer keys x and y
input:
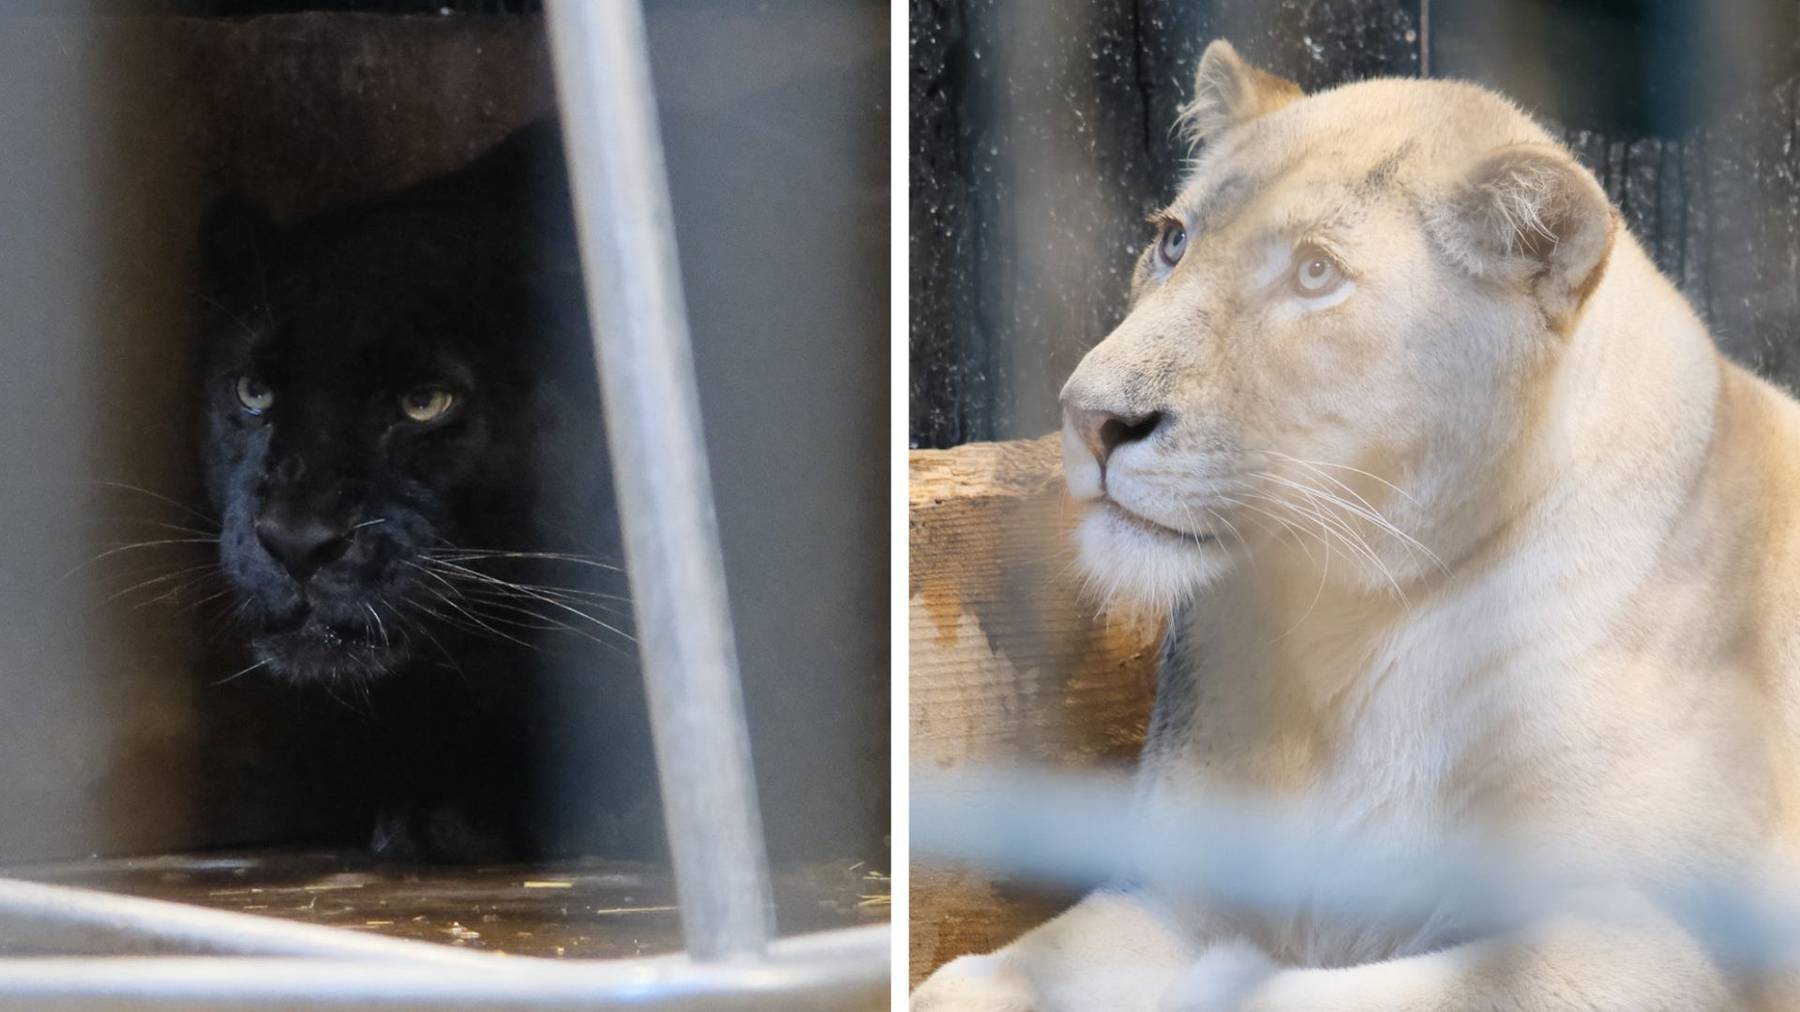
{"x": 124, "y": 122}
{"x": 1040, "y": 136}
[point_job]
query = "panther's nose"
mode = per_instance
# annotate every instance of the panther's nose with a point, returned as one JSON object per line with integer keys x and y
{"x": 1103, "y": 431}
{"x": 301, "y": 543}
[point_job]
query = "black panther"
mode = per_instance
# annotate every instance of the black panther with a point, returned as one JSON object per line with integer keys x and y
{"x": 403, "y": 446}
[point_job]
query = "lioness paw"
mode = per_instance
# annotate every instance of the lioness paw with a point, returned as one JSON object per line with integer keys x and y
{"x": 976, "y": 984}
{"x": 1220, "y": 980}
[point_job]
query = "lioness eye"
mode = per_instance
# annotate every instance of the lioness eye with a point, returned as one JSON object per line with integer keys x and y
{"x": 1172, "y": 243}
{"x": 426, "y": 404}
{"x": 255, "y": 397}
{"x": 1317, "y": 274}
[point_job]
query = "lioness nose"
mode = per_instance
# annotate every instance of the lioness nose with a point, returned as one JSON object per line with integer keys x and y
{"x": 1104, "y": 431}
{"x": 301, "y": 544}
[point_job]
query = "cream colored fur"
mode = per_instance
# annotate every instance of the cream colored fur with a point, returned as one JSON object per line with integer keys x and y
{"x": 1492, "y": 538}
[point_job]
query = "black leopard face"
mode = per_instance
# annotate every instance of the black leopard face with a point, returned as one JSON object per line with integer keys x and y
{"x": 374, "y": 414}
{"x": 336, "y": 472}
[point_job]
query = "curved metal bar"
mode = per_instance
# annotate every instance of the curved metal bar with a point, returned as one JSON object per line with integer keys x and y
{"x": 843, "y": 970}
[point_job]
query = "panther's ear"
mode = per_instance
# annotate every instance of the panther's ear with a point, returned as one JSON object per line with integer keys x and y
{"x": 237, "y": 241}
{"x": 1529, "y": 215}
{"x": 1229, "y": 91}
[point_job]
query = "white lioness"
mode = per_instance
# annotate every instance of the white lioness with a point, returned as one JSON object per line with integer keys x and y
{"x": 1464, "y": 522}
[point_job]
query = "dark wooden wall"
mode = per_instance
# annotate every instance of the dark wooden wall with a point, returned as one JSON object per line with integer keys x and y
{"x": 1039, "y": 138}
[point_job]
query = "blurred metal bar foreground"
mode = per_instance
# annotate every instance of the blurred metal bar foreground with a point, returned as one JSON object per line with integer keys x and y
{"x": 616, "y": 171}
{"x": 1276, "y": 857}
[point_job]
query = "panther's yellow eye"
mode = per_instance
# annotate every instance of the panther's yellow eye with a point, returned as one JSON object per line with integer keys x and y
{"x": 426, "y": 404}
{"x": 254, "y": 396}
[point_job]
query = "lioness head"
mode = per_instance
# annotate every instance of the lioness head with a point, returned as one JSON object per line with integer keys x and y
{"x": 1342, "y": 324}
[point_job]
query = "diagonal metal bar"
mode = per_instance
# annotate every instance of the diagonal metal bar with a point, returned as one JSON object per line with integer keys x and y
{"x": 616, "y": 171}
{"x": 39, "y": 917}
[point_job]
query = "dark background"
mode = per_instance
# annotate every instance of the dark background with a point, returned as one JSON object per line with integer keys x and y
{"x": 117, "y": 132}
{"x": 1040, "y": 137}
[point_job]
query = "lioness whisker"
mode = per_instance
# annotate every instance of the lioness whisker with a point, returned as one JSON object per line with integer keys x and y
{"x": 1354, "y": 470}
{"x": 1366, "y": 511}
{"x": 1245, "y": 545}
{"x": 1315, "y": 506}
{"x": 1331, "y": 525}
{"x": 1321, "y": 501}
{"x": 1283, "y": 525}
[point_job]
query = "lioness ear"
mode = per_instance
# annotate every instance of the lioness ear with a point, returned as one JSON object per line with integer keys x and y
{"x": 1228, "y": 91}
{"x": 1528, "y": 214}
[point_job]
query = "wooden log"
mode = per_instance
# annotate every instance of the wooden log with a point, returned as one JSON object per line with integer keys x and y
{"x": 1010, "y": 661}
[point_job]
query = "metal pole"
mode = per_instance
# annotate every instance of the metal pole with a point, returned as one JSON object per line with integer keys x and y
{"x": 652, "y": 411}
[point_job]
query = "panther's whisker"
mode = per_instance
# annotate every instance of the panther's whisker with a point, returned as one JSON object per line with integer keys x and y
{"x": 418, "y": 627}
{"x": 203, "y": 517}
{"x": 552, "y": 624}
{"x": 191, "y": 605}
{"x": 470, "y": 554}
{"x": 132, "y": 546}
{"x": 186, "y": 571}
{"x": 432, "y": 572}
{"x": 234, "y": 676}
{"x": 486, "y": 589}
{"x": 179, "y": 528}
{"x": 224, "y": 621}
{"x": 174, "y": 593}
{"x": 470, "y": 615}
{"x": 567, "y": 593}
{"x": 379, "y": 624}
{"x": 553, "y": 603}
